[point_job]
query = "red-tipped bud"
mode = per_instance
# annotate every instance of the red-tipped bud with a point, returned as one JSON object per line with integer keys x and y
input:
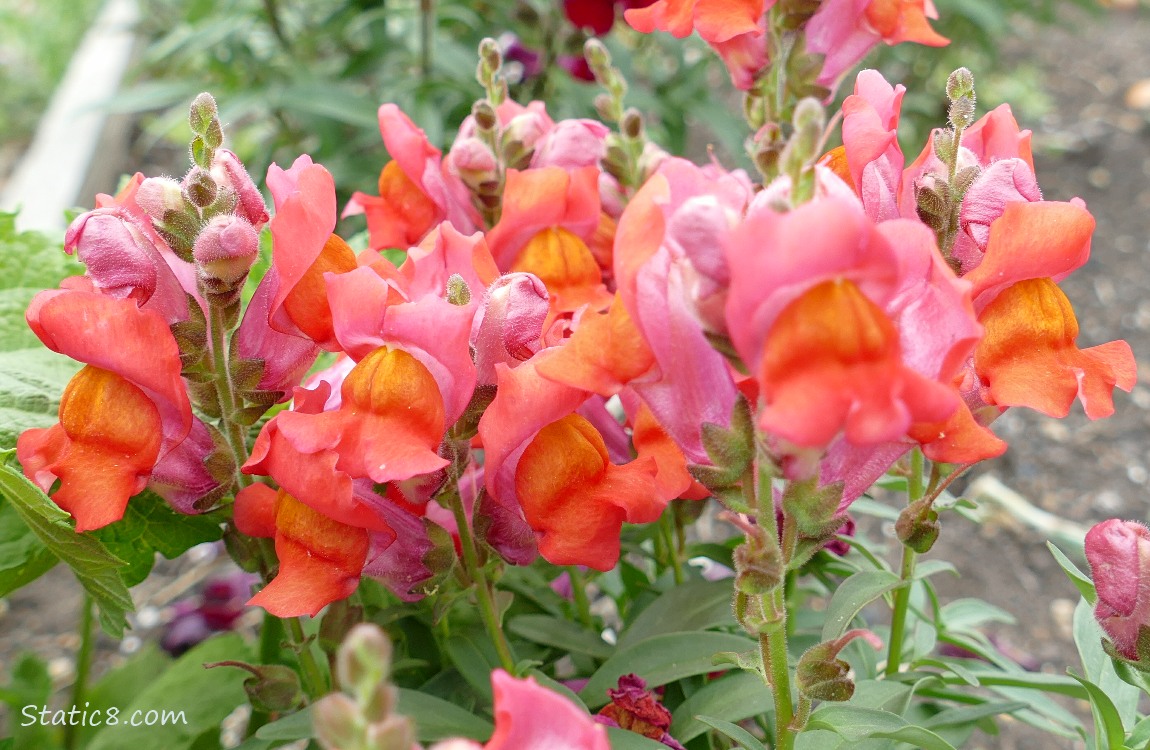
{"x": 226, "y": 248}
{"x": 1119, "y": 556}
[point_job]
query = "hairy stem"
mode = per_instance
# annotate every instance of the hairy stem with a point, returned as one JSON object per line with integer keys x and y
{"x": 579, "y": 594}
{"x": 914, "y": 491}
{"x": 83, "y": 667}
{"x": 483, "y": 587}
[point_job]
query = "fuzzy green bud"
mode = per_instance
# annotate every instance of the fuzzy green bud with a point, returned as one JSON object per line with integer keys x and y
{"x": 960, "y": 84}
{"x": 917, "y": 526}
{"x": 202, "y": 113}
{"x": 484, "y": 114}
{"x": 364, "y": 661}
{"x": 458, "y": 293}
{"x": 632, "y": 124}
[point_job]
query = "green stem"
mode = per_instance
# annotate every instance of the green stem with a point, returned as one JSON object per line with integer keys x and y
{"x": 773, "y": 652}
{"x": 668, "y": 534}
{"x": 898, "y": 613}
{"x": 483, "y": 589}
{"x": 426, "y": 37}
{"x": 914, "y": 492}
{"x": 579, "y": 593}
{"x": 314, "y": 684}
{"x": 271, "y": 7}
{"x": 83, "y": 667}
{"x": 225, "y": 392}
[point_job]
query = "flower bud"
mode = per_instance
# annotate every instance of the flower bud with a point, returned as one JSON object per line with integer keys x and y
{"x": 337, "y": 723}
{"x": 917, "y": 526}
{"x": 758, "y": 566}
{"x": 473, "y": 161}
{"x": 597, "y": 55}
{"x": 821, "y": 675}
{"x": 509, "y": 329}
{"x": 960, "y": 84}
{"x": 484, "y": 115}
{"x": 229, "y": 172}
{"x": 393, "y": 733}
{"x": 202, "y": 113}
{"x": 199, "y": 187}
{"x": 632, "y": 124}
{"x": 226, "y": 248}
{"x": 1119, "y": 556}
{"x": 158, "y": 195}
{"x": 490, "y": 54}
{"x": 364, "y": 661}
{"x": 458, "y": 292}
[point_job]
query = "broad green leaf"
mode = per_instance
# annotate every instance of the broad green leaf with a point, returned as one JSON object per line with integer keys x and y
{"x": 560, "y": 633}
{"x": 29, "y": 685}
{"x": 854, "y": 723}
{"x": 949, "y": 665}
{"x": 621, "y": 739}
{"x": 1140, "y": 734}
{"x": 734, "y": 731}
{"x": 120, "y": 686}
{"x": 31, "y": 383}
{"x": 471, "y": 664}
{"x": 928, "y": 568}
{"x": 1099, "y": 667}
{"x": 734, "y": 697}
{"x": 292, "y": 727}
{"x": 203, "y": 697}
{"x": 1108, "y": 731}
{"x": 23, "y": 557}
{"x": 96, "y": 569}
{"x": 855, "y": 593}
{"x": 436, "y": 719}
{"x": 1080, "y": 580}
{"x": 971, "y": 614}
{"x": 970, "y": 714}
{"x": 149, "y": 526}
{"x": 692, "y": 606}
{"x": 661, "y": 659}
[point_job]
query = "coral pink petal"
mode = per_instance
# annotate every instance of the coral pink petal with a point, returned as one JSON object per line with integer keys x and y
{"x": 528, "y": 715}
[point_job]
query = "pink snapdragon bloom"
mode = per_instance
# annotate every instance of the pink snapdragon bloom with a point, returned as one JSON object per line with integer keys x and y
{"x": 859, "y": 333}
{"x": 548, "y": 464}
{"x": 529, "y": 716}
{"x": 735, "y": 29}
{"x": 1119, "y": 557}
{"x": 870, "y": 150}
{"x": 120, "y": 415}
{"x": 844, "y": 31}
{"x": 416, "y": 193}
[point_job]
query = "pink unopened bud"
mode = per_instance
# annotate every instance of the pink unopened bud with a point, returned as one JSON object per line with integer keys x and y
{"x": 226, "y": 248}
{"x": 1119, "y": 556}
{"x": 572, "y": 144}
{"x": 473, "y": 161}
{"x": 229, "y": 172}
{"x": 158, "y": 195}
{"x": 511, "y": 324}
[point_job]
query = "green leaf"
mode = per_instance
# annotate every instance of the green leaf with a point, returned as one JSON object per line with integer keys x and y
{"x": 1080, "y": 580}
{"x": 149, "y": 526}
{"x": 30, "y": 685}
{"x": 560, "y": 633}
{"x": 292, "y": 727}
{"x": 734, "y": 697}
{"x": 1108, "y": 731}
{"x": 734, "y": 731}
{"x": 31, "y": 382}
{"x": 203, "y": 698}
{"x": 1140, "y": 734}
{"x": 23, "y": 557}
{"x": 120, "y": 686}
{"x": 471, "y": 664}
{"x": 436, "y": 719}
{"x": 928, "y": 568}
{"x": 661, "y": 659}
{"x": 692, "y": 606}
{"x": 855, "y": 593}
{"x": 959, "y": 715}
{"x": 621, "y": 739}
{"x": 1099, "y": 667}
{"x": 96, "y": 569}
{"x": 854, "y": 723}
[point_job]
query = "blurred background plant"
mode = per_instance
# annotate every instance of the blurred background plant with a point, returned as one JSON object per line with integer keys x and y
{"x": 32, "y": 62}
{"x": 294, "y": 76}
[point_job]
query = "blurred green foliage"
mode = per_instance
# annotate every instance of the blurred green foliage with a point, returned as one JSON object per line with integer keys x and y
{"x": 36, "y": 43}
{"x": 295, "y": 77}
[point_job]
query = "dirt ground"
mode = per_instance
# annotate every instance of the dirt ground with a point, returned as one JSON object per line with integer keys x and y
{"x": 1095, "y": 144}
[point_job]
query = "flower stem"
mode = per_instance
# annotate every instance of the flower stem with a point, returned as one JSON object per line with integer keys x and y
{"x": 579, "y": 594}
{"x": 914, "y": 492}
{"x": 483, "y": 588}
{"x": 314, "y": 684}
{"x": 773, "y": 652}
{"x": 225, "y": 392}
{"x": 83, "y": 667}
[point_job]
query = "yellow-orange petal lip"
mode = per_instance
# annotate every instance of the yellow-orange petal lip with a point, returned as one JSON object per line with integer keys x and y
{"x": 114, "y": 432}
{"x": 565, "y": 265}
{"x": 391, "y": 381}
{"x": 832, "y": 362}
{"x": 1028, "y": 356}
{"x": 407, "y": 201}
{"x": 307, "y": 304}
{"x": 902, "y": 21}
{"x": 320, "y": 560}
{"x": 836, "y": 161}
{"x": 566, "y": 454}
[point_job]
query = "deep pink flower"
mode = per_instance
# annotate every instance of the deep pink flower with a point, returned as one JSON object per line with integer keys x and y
{"x": 1119, "y": 557}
